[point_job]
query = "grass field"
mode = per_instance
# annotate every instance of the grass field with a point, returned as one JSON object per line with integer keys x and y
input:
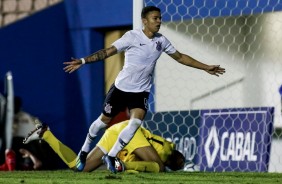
{"x": 104, "y": 177}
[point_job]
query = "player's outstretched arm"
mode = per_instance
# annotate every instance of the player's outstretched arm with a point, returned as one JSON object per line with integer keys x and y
{"x": 215, "y": 70}
{"x": 102, "y": 54}
{"x": 189, "y": 61}
{"x": 94, "y": 159}
{"x": 142, "y": 166}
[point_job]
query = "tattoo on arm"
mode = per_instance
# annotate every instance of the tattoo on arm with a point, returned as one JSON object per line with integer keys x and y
{"x": 99, "y": 55}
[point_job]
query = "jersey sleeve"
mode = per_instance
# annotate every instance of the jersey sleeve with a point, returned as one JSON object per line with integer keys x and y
{"x": 168, "y": 47}
{"x": 124, "y": 42}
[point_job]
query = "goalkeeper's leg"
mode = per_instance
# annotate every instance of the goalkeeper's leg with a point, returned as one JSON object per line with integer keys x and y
{"x": 93, "y": 161}
{"x": 64, "y": 152}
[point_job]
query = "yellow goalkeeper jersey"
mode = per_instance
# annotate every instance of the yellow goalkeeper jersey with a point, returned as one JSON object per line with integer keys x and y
{"x": 142, "y": 138}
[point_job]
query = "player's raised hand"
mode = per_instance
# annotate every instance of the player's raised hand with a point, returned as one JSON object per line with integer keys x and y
{"x": 72, "y": 65}
{"x": 215, "y": 70}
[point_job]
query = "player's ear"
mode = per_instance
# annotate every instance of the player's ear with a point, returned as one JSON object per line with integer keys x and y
{"x": 144, "y": 21}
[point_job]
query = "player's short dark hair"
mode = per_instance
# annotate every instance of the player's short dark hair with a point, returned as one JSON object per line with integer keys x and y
{"x": 148, "y": 9}
{"x": 176, "y": 160}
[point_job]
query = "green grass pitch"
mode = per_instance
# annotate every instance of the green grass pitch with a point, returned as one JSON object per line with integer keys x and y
{"x": 104, "y": 177}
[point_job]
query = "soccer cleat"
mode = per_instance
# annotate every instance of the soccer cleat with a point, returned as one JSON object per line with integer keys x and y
{"x": 119, "y": 165}
{"x": 4, "y": 167}
{"x": 10, "y": 159}
{"x": 110, "y": 163}
{"x": 36, "y": 134}
{"x": 81, "y": 160}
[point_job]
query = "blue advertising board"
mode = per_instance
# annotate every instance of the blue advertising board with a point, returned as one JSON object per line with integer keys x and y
{"x": 236, "y": 139}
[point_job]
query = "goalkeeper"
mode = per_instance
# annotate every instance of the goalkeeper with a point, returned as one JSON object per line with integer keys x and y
{"x": 146, "y": 152}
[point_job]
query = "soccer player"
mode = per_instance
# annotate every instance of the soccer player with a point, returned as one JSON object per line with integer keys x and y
{"x": 131, "y": 88}
{"x": 35, "y": 156}
{"x": 145, "y": 152}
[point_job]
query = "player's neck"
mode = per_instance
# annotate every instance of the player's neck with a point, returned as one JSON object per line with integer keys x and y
{"x": 148, "y": 33}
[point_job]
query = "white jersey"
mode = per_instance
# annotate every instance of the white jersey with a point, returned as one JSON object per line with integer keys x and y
{"x": 141, "y": 54}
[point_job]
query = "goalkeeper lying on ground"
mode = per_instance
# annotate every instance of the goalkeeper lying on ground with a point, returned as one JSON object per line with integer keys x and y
{"x": 146, "y": 152}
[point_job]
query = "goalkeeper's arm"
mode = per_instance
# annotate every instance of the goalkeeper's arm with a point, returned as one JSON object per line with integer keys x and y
{"x": 142, "y": 166}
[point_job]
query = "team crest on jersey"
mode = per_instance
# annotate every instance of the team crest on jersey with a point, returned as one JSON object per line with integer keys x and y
{"x": 159, "y": 46}
{"x": 108, "y": 108}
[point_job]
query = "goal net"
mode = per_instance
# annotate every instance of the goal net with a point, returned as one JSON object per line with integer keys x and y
{"x": 231, "y": 122}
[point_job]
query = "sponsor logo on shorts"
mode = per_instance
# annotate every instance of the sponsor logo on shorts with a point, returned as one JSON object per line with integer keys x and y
{"x": 108, "y": 108}
{"x": 146, "y": 103}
